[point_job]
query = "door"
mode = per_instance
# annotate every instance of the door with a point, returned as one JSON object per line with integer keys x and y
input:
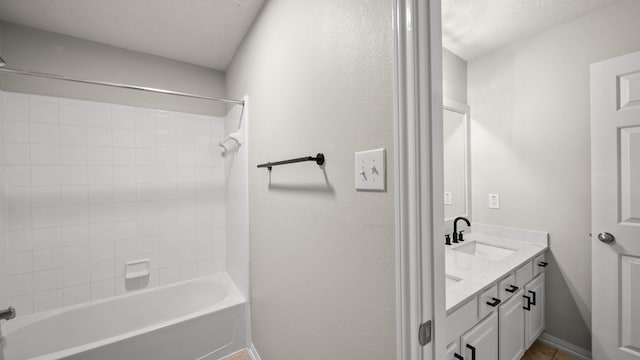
{"x": 615, "y": 182}
{"x": 511, "y": 326}
{"x": 533, "y": 310}
{"x": 481, "y": 342}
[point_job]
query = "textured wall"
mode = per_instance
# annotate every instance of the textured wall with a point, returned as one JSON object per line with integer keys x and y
{"x": 36, "y": 50}
{"x": 319, "y": 77}
{"x": 530, "y": 139}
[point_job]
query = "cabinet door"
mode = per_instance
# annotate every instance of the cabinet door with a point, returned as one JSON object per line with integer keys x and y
{"x": 511, "y": 326}
{"x": 534, "y": 309}
{"x": 453, "y": 349}
{"x": 481, "y": 342}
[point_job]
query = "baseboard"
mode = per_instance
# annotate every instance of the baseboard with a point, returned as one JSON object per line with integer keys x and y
{"x": 254, "y": 353}
{"x": 565, "y": 346}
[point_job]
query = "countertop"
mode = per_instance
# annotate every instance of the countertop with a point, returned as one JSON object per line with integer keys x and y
{"x": 477, "y": 273}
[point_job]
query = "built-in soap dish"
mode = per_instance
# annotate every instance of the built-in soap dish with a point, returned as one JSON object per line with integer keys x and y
{"x": 137, "y": 269}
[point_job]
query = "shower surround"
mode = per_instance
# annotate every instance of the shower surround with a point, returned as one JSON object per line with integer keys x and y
{"x": 89, "y": 186}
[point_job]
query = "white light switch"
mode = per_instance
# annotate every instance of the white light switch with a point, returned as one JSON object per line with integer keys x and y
{"x": 371, "y": 170}
{"x": 494, "y": 201}
{"x": 447, "y": 198}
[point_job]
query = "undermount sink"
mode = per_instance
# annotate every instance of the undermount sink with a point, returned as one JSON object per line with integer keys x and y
{"x": 450, "y": 280}
{"x": 491, "y": 252}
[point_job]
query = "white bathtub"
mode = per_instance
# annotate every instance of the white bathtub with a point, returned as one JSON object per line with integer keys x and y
{"x": 197, "y": 319}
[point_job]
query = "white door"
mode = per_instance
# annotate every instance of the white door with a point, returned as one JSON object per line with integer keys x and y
{"x": 511, "y": 326}
{"x": 615, "y": 181}
{"x": 481, "y": 342}
{"x": 533, "y": 310}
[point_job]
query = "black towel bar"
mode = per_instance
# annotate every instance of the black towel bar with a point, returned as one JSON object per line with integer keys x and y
{"x": 319, "y": 159}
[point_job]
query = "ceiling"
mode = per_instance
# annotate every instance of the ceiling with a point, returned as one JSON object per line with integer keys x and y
{"x": 471, "y": 28}
{"x": 201, "y": 32}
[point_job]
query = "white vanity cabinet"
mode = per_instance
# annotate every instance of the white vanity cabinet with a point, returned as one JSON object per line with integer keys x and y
{"x": 501, "y": 321}
{"x": 481, "y": 342}
{"x": 533, "y": 309}
{"x": 511, "y": 325}
{"x": 453, "y": 351}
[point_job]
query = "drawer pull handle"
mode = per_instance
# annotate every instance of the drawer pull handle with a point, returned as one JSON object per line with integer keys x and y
{"x": 543, "y": 264}
{"x": 473, "y": 351}
{"x": 512, "y": 289}
{"x": 494, "y": 302}
{"x": 533, "y": 302}
{"x": 458, "y": 356}
{"x": 528, "y": 305}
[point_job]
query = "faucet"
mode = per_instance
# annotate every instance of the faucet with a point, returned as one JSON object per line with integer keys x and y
{"x": 457, "y": 237}
{"x": 8, "y": 314}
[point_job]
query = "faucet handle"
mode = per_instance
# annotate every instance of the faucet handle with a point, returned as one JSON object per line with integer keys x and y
{"x": 460, "y": 238}
{"x": 8, "y": 313}
{"x": 447, "y": 239}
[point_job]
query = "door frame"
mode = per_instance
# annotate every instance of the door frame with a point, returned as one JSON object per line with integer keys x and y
{"x": 419, "y": 209}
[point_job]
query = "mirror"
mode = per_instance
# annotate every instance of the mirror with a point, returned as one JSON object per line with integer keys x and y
{"x": 457, "y": 197}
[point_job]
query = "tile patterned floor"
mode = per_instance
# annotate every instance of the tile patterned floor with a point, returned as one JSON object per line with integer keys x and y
{"x": 542, "y": 351}
{"x": 240, "y": 355}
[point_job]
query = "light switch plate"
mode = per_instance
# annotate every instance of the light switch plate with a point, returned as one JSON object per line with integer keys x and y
{"x": 371, "y": 170}
{"x": 494, "y": 201}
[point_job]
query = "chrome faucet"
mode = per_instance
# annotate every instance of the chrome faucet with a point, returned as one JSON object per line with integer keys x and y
{"x": 8, "y": 314}
{"x": 458, "y": 237}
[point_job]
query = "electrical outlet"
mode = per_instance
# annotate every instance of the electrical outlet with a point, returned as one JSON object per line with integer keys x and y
{"x": 370, "y": 170}
{"x": 447, "y": 198}
{"x": 494, "y": 201}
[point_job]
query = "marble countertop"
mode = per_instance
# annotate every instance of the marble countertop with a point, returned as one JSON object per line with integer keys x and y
{"x": 477, "y": 273}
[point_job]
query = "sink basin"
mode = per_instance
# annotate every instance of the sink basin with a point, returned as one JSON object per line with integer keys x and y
{"x": 450, "y": 280}
{"x": 491, "y": 252}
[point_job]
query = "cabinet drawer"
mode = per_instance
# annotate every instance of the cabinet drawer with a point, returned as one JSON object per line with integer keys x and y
{"x": 507, "y": 287}
{"x": 453, "y": 349}
{"x": 539, "y": 264}
{"x": 462, "y": 319}
{"x": 524, "y": 274}
{"x": 487, "y": 297}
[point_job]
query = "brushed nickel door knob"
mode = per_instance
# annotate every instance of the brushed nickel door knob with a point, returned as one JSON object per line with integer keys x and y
{"x": 606, "y": 238}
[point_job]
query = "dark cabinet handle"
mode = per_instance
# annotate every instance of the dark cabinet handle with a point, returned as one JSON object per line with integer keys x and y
{"x": 533, "y": 302}
{"x": 473, "y": 351}
{"x": 528, "y": 306}
{"x": 494, "y": 302}
{"x": 457, "y": 356}
{"x": 543, "y": 264}
{"x": 512, "y": 289}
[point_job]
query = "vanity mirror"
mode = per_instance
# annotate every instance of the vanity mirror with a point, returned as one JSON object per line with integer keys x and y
{"x": 457, "y": 175}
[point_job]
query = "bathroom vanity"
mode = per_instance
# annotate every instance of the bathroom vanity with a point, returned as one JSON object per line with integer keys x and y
{"x": 495, "y": 293}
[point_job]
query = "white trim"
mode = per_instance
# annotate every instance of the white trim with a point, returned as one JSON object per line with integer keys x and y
{"x": 253, "y": 353}
{"x": 418, "y": 156}
{"x": 565, "y": 346}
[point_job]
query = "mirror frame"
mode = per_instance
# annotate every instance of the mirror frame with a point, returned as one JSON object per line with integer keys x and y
{"x": 460, "y": 108}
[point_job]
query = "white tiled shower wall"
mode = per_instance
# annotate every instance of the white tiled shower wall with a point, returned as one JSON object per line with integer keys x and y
{"x": 90, "y": 186}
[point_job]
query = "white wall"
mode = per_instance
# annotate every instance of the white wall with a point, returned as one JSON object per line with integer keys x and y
{"x": 36, "y": 50}
{"x": 319, "y": 78}
{"x": 92, "y": 185}
{"x": 454, "y": 77}
{"x": 530, "y": 140}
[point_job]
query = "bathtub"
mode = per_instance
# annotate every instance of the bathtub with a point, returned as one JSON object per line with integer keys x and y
{"x": 201, "y": 319}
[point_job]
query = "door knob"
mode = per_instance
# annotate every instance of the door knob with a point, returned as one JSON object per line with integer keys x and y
{"x": 606, "y": 238}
